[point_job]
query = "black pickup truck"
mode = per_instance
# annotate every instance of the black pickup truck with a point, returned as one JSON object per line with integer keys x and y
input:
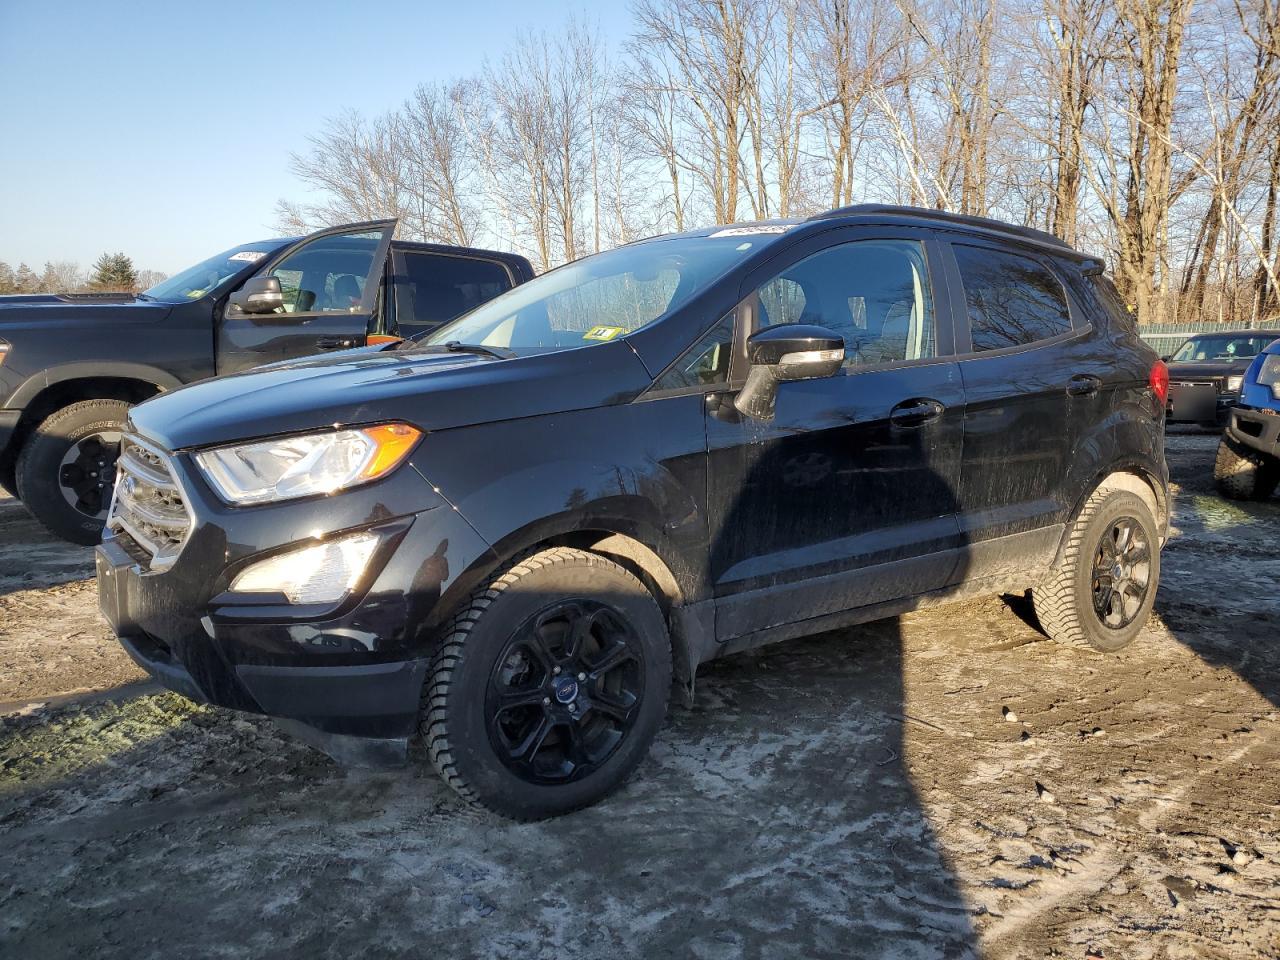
{"x": 72, "y": 364}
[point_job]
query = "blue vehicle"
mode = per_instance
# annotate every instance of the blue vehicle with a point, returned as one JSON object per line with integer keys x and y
{"x": 1248, "y": 464}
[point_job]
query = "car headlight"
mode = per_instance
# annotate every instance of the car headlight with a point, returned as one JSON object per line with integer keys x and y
{"x": 323, "y": 573}
{"x": 1269, "y": 374}
{"x": 1234, "y": 384}
{"x": 308, "y": 464}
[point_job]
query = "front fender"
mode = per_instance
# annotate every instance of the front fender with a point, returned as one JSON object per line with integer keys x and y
{"x": 31, "y": 387}
{"x": 636, "y": 469}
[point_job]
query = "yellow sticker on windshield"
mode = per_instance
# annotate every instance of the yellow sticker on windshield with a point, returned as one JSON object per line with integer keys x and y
{"x": 603, "y": 333}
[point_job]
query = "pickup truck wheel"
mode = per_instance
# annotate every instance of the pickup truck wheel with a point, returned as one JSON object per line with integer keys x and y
{"x": 548, "y": 686}
{"x": 1102, "y": 590}
{"x": 67, "y": 469}
{"x": 1242, "y": 474}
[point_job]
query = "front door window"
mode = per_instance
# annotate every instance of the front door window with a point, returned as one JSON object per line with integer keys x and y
{"x": 329, "y": 274}
{"x": 874, "y": 293}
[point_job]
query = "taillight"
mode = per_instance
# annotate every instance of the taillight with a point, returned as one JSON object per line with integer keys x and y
{"x": 1159, "y": 380}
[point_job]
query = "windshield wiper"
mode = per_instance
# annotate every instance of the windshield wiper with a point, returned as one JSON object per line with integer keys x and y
{"x": 457, "y": 346}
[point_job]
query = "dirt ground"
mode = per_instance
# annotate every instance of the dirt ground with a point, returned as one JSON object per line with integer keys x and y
{"x": 949, "y": 784}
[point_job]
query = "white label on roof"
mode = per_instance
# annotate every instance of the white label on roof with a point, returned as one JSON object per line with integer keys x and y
{"x": 251, "y": 256}
{"x": 751, "y": 231}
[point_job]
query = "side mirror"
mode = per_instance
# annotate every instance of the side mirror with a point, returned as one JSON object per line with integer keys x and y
{"x": 1165, "y": 359}
{"x": 258, "y": 295}
{"x": 786, "y": 351}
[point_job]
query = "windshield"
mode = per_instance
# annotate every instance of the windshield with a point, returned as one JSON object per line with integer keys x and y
{"x": 196, "y": 281}
{"x": 602, "y": 297}
{"x": 1200, "y": 349}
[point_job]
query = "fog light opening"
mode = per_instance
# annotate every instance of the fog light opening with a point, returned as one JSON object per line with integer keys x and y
{"x": 324, "y": 573}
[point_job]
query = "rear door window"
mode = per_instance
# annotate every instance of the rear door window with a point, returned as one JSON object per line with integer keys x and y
{"x": 432, "y": 288}
{"x": 1012, "y": 300}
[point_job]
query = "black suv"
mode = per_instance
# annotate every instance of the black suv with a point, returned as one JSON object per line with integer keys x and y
{"x": 71, "y": 364}
{"x": 512, "y": 534}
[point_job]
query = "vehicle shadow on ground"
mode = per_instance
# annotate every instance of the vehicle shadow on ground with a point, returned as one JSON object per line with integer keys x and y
{"x": 1222, "y": 566}
{"x": 777, "y": 818}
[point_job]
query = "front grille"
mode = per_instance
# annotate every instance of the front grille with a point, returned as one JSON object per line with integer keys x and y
{"x": 148, "y": 509}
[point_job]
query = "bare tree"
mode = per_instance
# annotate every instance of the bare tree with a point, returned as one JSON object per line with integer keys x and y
{"x": 1142, "y": 127}
{"x": 357, "y": 167}
{"x": 437, "y": 163}
{"x": 1138, "y": 188}
{"x": 706, "y": 48}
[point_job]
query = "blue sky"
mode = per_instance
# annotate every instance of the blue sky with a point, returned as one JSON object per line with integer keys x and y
{"x": 163, "y": 129}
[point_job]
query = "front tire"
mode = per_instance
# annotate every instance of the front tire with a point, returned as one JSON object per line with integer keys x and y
{"x": 1102, "y": 590}
{"x": 549, "y": 685}
{"x": 1242, "y": 474}
{"x": 66, "y": 471}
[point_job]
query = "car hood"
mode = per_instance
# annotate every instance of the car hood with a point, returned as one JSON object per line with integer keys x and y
{"x": 39, "y": 311}
{"x": 1205, "y": 371}
{"x": 433, "y": 391}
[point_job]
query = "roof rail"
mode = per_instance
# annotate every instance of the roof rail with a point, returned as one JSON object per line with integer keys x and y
{"x": 925, "y": 213}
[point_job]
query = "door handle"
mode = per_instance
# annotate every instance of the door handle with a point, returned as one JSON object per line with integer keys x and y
{"x": 1084, "y": 385}
{"x": 916, "y": 413}
{"x": 336, "y": 343}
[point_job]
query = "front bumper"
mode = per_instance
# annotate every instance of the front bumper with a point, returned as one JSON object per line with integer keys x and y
{"x": 1257, "y": 429}
{"x": 1193, "y": 402}
{"x": 354, "y": 668}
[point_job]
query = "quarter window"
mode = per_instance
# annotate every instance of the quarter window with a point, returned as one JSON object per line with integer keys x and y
{"x": 1012, "y": 300}
{"x": 874, "y": 293}
{"x": 705, "y": 363}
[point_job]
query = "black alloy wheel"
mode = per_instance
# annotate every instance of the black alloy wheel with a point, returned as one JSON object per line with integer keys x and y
{"x": 1100, "y": 591}
{"x": 548, "y": 684}
{"x": 565, "y": 692}
{"x": 1121, "y": 573}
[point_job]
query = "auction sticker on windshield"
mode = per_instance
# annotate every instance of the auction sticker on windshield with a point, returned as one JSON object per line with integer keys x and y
{"x": 249, "y": 256}
{"x": 602, "y": 333}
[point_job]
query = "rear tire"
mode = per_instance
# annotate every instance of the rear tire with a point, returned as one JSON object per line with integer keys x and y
{"x": 1243, "y": 474}
{"x": 548, "y": 686}
{"x": 1101, "y": 592}
{"x": 55, "y": 471}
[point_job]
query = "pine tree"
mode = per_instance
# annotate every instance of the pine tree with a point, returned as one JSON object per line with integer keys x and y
{"x": 25, "y": 280}
{"x": 114, "y": 271}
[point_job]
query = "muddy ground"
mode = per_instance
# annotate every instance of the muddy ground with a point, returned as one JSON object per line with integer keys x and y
{"x": 949, "y": 784}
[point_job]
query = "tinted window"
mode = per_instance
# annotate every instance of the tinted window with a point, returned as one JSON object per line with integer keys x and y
{"x": 874, "y": 293}
{"x": 434, "y": 289}
{"x": 328, "y": 275}
{"x": 1013, "y": 300}
{"x": 706, "y": 362}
